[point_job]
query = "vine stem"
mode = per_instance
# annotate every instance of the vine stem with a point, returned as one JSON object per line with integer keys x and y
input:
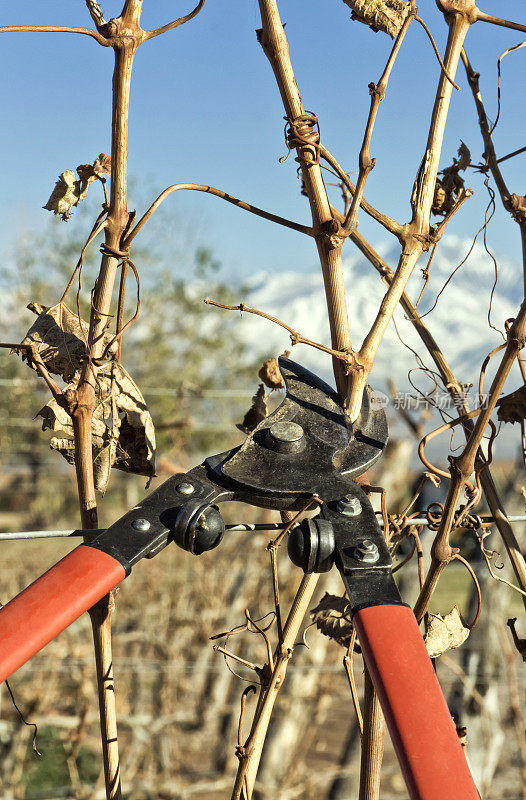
{"x": 198, "y": 187}
{"x": 126, "y": 37}
{"x": 366, "y": 163}
{"x": 295, "y": 336}
{"x": 455, "y": 389}
{"x": 249, "y": 760}
{"x": 463, "y": 465}
{"x": 373, "y": 739}
{"x": 417, "y": 235}
{"x": 272, "y": 38}
{"x": 54, "y": 29}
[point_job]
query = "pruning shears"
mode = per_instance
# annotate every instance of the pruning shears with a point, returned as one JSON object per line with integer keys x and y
{"x": 306, "y": 448}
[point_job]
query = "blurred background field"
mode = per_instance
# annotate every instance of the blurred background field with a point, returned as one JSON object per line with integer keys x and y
{"x": 178, "y": 704}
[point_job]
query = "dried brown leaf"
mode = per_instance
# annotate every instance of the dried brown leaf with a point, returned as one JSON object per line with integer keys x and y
{"x": 60, "y": 339}
{"x": 270, "y": 374}
{"x": 123, "y": 434}
{"x": 464, "y": 156}
{"x": 449, "y": 187}
{"x": 256, "y": 413}
{"x": 64, "y": 196}
{"x": 102, "y": 165}
{"x": 69, "y": 191}
{"x": 380, "y": 15}
{"x": 333, "y": 619}
{"x": 445, "y": 633}
{"x": 512, "y": 407}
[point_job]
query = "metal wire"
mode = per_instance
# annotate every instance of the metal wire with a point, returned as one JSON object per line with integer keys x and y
{"x": 234, "y": 527}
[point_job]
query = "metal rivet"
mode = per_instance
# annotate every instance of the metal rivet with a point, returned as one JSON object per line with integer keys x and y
{"x": 141, "y": 525}
{"x": 185, "y": 488}
{"x": 350, "y": 506}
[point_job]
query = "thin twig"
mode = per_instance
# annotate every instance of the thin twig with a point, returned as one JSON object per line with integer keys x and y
{"x": 366, "y": 163}
{"x": 40, "y": 367}
{"x": 372, "y": 743}
{"x": 97, "y": 15}
{"x": 383, "y": 219}
{"x": 469, "y": 568}
{"x": 417, "y": 238}
{"x": 295, "y": 337}
{"x": 435, "y": 48}
{"x": 250, "y": 754}
{"x": 348, "y": 665}
{"x": 55, "y": 29}
{"x": 503, "y": 23}
{"x": 171, "y": 25}
{"x": 197, "y": 187}
{"x": 249, "y": 664}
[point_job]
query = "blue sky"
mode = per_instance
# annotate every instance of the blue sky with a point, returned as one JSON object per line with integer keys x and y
{"x": 205, "y": 108}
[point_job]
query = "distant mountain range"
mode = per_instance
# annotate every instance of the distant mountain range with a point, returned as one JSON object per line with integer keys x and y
{"x": 459, "y": 322}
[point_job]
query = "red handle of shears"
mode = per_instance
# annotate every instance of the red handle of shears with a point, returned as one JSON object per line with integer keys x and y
{"x": 422, "y": 730}
{"x": 55, "y": 600}
{"x": 421, "y": 727}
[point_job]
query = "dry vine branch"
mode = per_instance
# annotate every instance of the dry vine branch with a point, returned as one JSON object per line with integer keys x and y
{"x": 481, "y": 16}
{"x": 196, "y": 187}
{"x": 373, "y": 739}
{"x": 383, "y": 219}
{"x": 250, "y": 754}
{"x": 348, "y": 666}
{"x": 272, "y": 38}
{"x": 96, "y": 13}
{"x": 366, "y": 163}
{"x": 41, "y": 368}
{"x": 54, "y": 29}
{"x": 417, "y": 236}
{"x": 456, "y": 391}
{"x": 462, "y": 466}
{"x": 295, "y": 337}
{"x": 171, "y": 25}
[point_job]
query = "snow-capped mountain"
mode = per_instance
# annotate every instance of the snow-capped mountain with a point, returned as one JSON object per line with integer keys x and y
{"x": 459, "y": 322}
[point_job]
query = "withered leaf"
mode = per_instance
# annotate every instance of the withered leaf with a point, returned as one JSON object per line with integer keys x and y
{"x": 445, "y": 633}
{"x": 102, "y": 164}
{"x": 69, "y": 191}
{"x": 464, "y": 156}
{"x": 271, "y": 375}
{"x": 256, "y": 413}
{"x": 512, "y": 407}
{"x": 448, "y": 189}
{"x": 380, "y": 15}
{"x": 60, "y": 337}
{"x": 123, "y": 434}
{"x": 64, "y": 196}
{"x": 332, "y": 617}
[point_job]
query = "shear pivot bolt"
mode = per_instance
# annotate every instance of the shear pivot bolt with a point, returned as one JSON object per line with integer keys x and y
{"x": 285, "y": 437}
{"x": 367, "y": 552}
{"x": 350, "y": 506}
{"x": 141, "y": 525}
{"x": 185, "y": 488}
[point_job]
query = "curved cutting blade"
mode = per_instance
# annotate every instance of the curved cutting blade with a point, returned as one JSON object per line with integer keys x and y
{"x": 329, "y": 451}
